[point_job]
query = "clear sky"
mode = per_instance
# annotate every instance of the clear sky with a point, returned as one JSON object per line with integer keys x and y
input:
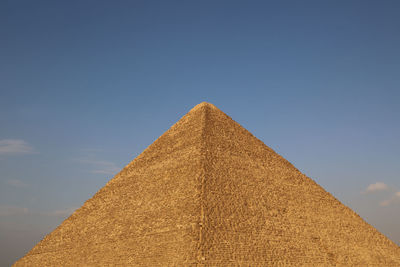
{"x": 85, "y": 86}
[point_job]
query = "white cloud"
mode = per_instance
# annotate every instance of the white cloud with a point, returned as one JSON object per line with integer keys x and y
{"x": 16, "y": 183}
{"x": 12, "y": 210}
{"x": 15, "y": 146}
{"x": 378, "y": 186}
{"x": 394, "y": 198}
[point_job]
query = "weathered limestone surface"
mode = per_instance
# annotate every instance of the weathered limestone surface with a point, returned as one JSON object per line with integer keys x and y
{"x": 208, "y": 193}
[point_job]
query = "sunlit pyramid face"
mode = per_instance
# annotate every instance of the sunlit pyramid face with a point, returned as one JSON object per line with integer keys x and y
{"x": 209, "y": 193}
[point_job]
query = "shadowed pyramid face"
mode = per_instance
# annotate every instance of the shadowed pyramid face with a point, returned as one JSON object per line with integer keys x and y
{"x": 208, "y": 193}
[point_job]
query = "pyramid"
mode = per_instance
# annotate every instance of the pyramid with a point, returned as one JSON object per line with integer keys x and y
{"x": 209, "y": 193}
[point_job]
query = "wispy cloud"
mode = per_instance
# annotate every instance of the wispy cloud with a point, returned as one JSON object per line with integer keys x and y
{"x": 90, "y": 158}
{"x": 106, "y": 171}
{"x": 62, "y": 212}
{"x": 15, "y": 146}
{"x": 9, "y": 210}
{"x": 6, "y": 210}
{"x": 16, "y": 183}
{"x": 378, "y": 186}
{"x": 101, "y": 166}
{"x": 395, "y": 198}
{"x": 91, "y": 150}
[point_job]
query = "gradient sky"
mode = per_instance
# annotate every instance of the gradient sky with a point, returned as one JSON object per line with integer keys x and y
{"x": 85, "y": 86}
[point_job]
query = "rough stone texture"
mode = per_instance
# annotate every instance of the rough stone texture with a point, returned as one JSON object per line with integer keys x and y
{"x": 208, "y": 193}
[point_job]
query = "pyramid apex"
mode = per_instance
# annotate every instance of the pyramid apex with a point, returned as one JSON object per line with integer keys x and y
{"x": 204, "y": 104}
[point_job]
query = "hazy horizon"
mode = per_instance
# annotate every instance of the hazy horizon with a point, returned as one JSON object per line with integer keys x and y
{"x": 86, "y": 86}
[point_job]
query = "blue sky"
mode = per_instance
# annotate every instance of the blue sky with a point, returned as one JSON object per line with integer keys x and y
{"x": 85, "y": 86}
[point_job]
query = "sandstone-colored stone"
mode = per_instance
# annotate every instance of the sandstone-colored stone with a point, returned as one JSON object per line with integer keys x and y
{"x": 208, "y": 193}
